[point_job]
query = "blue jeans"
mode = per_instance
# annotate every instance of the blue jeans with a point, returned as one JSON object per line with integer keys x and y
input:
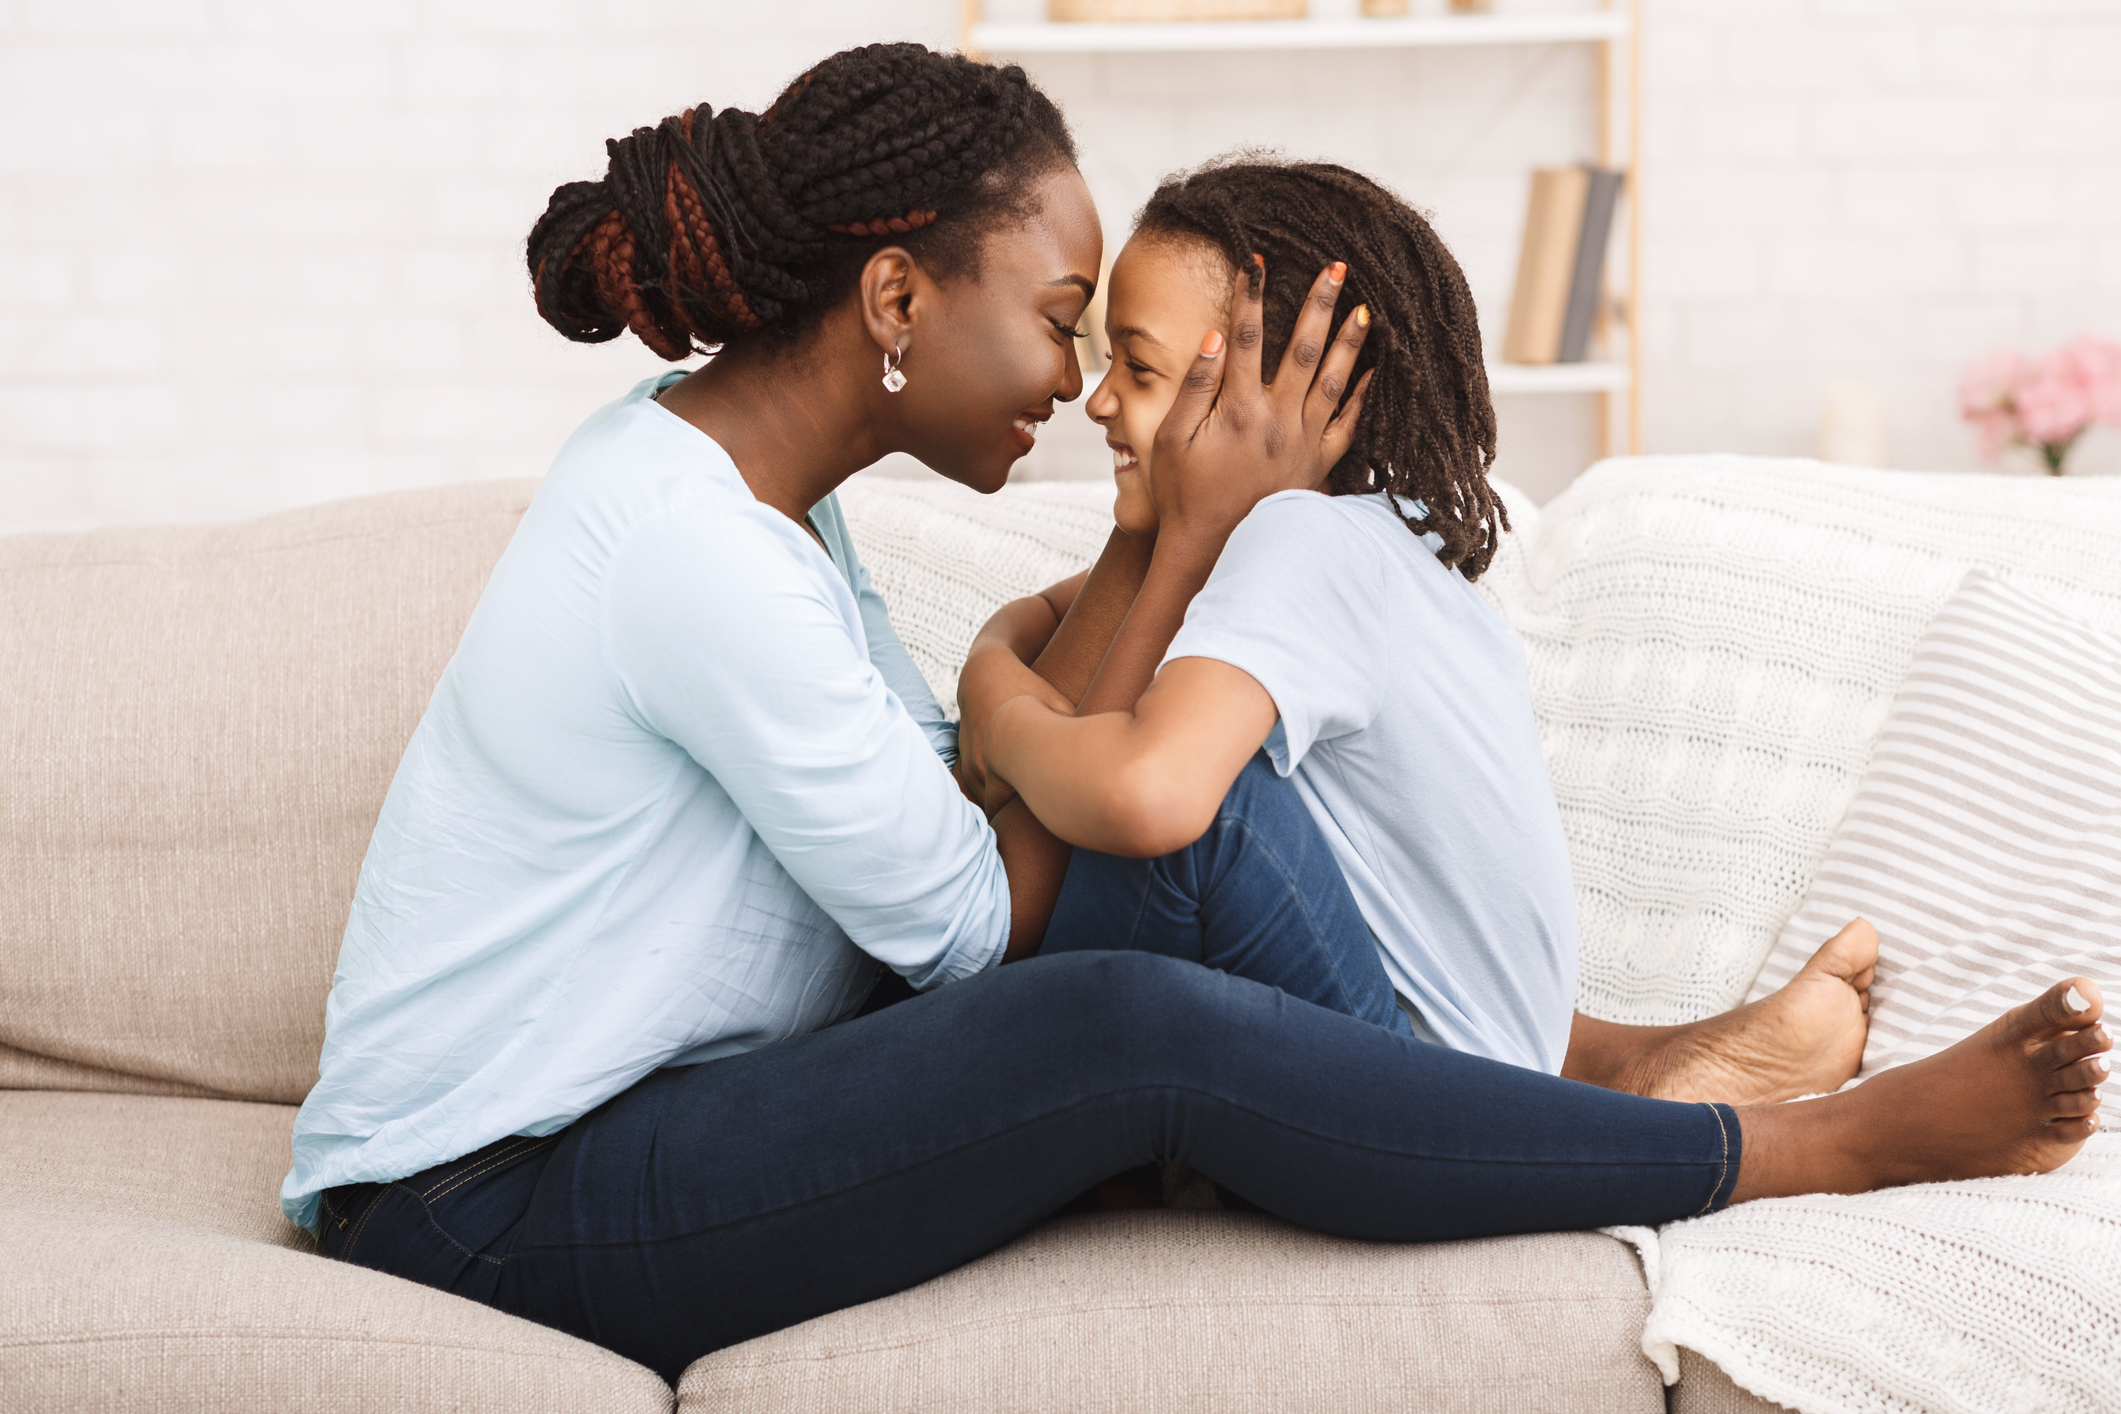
{"x": 1259, "y": 895}
{"x": 712, "y": 1203}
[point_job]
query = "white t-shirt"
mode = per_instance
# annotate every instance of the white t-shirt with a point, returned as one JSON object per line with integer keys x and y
{"x": 1406, "y": 721}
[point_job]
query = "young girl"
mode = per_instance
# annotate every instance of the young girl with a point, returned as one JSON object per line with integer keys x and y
{"x": 1340, "y": 643}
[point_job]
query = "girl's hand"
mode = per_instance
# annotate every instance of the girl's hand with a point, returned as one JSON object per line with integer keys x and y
{"x": 997, "y": 668}
{"x": 1230, "y": 441}
{"x": 991, "y": 676}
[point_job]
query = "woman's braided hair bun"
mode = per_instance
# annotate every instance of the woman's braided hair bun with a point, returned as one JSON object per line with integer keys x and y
{"x": 710, "y": 226}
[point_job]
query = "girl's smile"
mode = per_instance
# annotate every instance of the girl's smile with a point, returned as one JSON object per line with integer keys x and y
{"x": 1166, "y": 293}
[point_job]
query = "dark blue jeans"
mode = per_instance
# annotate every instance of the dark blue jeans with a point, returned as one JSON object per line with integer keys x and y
{"x": 1259, "y": 895}
{"x": 713, "y": 1203}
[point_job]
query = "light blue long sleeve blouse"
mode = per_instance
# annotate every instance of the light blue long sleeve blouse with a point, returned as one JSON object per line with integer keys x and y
{"x": 678, "y": 795}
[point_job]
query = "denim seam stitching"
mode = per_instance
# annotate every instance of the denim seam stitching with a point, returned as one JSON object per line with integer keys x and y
{"x": 1722, "y": 1169}
{"x": 353, "y": 1238}
{"x": 451, "y": 1180}
{"x": 428, "y": 1211}
{"x": 501, "y": 1160}
{"x": 1347, "y": 997}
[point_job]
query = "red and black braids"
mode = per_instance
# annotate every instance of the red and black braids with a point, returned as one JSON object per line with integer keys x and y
{"x": 711, "y": 226}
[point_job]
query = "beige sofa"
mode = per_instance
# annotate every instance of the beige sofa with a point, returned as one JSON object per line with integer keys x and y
{"x": 197, "y": 727}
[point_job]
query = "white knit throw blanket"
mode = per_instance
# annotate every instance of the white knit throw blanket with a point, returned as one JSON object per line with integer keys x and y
{"x": 1713, "y": 643}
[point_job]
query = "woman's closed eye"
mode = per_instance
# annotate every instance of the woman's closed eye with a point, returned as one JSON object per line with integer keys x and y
{"x": 1069, "y": 329}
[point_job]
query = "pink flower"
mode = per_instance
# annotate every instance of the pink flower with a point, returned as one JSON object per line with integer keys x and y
{"x": 1991, "y": 382}
{"x": 1988, "y": 398}
{"x": 2071, "y": 388}
{"x": 2054, "y": 402}
{"x": 1998, "y": 430}
{"x": 2045, "y": 402}
{"x": 2095, "y": 364}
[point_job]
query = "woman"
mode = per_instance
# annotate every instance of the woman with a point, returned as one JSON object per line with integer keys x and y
{"x": 673, "y": 802}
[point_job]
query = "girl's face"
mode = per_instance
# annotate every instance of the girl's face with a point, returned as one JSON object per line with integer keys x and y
{"x": 1166, "y": 293}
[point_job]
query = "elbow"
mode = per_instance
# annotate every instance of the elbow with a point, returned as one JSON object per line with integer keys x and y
{"x": 1148, "y": 813}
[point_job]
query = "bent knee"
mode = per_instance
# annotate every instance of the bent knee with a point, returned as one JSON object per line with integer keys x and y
{"x": 1128, "y": 1001}
{"x": 1259, "y": 792}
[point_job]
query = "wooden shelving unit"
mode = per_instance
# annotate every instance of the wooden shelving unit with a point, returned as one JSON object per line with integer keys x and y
{"x": 1202, "y": 37}
{"x": 1615, "y": 29}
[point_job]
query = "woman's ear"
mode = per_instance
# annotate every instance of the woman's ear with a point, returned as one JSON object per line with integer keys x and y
{"x": 886, "y": 295}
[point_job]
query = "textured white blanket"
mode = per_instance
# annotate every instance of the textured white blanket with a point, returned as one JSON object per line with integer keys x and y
{"x": 1999, "y": 1295}
{"x": 1713, "y": 643}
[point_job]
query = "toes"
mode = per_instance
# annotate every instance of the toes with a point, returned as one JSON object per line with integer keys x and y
{"x": 2083, "y": 1075}
{"x": 1851, "y": 954}
{"x": 2074, "y": 1104}
{"x": 2073, "y": 1131}
{"x": 2091, "y": 1041}
{"x": 2069, "y": 1005}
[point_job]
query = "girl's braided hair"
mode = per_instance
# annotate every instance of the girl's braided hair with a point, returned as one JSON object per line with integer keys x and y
{"x": 1428, "y": 428}
{"x": 712, "y": 226}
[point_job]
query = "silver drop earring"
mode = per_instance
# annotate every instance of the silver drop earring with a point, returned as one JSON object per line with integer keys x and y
{"x": 893, "y": 379}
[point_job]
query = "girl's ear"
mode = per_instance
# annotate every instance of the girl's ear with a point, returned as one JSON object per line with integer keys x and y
{"x": 887, "y": 298}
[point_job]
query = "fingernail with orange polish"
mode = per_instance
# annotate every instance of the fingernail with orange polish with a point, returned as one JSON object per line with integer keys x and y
{"x": 1362, "y": 316}
{"x": 1212, "y": 345}
{"x": 1338, "y": 272}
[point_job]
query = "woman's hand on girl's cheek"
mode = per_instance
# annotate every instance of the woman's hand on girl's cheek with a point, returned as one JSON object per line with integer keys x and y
{"x": 1231, "y": 441}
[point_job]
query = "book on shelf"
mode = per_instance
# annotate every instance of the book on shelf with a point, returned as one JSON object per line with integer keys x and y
{"x": 1561, "y": 264}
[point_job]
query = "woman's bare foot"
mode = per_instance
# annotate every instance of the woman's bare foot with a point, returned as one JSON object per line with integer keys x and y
{"x": 1806, "y": 1039}
{"x": 2018, "y": 1096}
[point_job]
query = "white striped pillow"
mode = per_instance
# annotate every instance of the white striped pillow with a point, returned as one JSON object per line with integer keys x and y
{"x": 1984, "y": 842}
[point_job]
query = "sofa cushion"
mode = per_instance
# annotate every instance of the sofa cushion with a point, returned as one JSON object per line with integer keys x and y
{"x": 148, "y": 1267}
{"x": 1713, "y": 643}
{"x": 197, "y": 728}
{"x": 1174, "y": 1311}
{"x": 1705, "y": 1389}
{"x": 1984, "y": 842}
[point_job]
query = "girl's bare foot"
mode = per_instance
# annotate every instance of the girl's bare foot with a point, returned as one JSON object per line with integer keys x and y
{"x": 1806, "y": 1039}
{"x": 2018, "y": 1096}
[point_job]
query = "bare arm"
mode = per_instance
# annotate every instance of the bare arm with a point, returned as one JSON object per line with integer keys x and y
{"x": 1052, "y": 640}
{"x": 998, "y": 667}
{"x": 1130, "y": 637}
{"x": 1070, "y": 660}
{"x": 1133, "y": 771}
{"x": 1142, "y": 782}
{"x": 1004, "y": 666}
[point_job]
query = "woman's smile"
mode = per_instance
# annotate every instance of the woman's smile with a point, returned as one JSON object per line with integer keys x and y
{"x": 1026, "y": 427}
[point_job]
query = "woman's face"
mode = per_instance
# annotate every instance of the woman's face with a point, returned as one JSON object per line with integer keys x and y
{"x": 1166, "y": 294}
{"x": 990, "y": 358}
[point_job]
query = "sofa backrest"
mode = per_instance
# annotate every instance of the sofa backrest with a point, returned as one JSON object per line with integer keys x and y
{"x": 197, "y": 728}
{"x": 1713, "y": 643}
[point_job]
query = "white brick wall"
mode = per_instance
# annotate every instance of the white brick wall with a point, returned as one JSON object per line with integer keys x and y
{"x": 260, "y": 252}
{"x": 1873, "y": 189}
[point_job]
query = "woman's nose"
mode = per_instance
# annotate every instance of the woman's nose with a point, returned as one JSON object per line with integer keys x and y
{"x": 1071, "y": 386}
